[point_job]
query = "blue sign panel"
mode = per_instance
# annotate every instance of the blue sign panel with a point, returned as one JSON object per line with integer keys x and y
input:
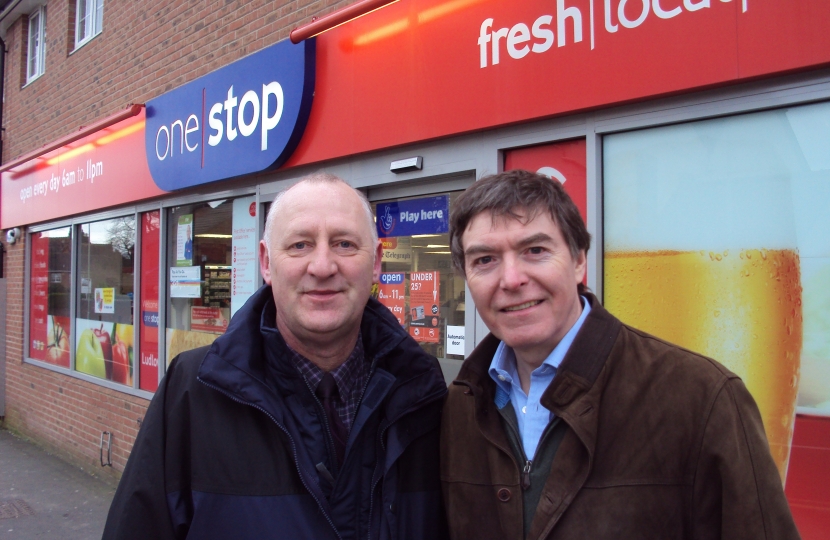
{"x": 415, "y": 216}
{"x": 243, "y": 118}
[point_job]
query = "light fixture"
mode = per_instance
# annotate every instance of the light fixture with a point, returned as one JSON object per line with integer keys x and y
{"x": 336, "y": 18}
{"x": 424, "y": 235}
{"x": 208, "y": 235}
{"x": 405, "y": 165}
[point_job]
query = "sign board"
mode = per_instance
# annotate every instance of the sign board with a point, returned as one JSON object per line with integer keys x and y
{"x": 392, "y": 294}
{"x": 185, "y": 282}
{"x": 244, "y": 252}
{"x": 104, "y": 169}
{"x": 243, "y": 118}
{"x": 430, "y": 215}
{"x": 424, "y": 308}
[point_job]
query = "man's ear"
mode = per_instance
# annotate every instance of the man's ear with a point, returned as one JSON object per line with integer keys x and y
{"x": 580, "y": 266}
{"x": 264, "y": 262}
{"x": 378, "y": 260}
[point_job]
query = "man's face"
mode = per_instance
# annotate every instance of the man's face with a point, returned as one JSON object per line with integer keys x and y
{"x": 523, "y": 280}
{"x": 322, "y": 263}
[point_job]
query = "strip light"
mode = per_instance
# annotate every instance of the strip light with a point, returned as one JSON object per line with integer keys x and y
{"x": 336, "y": 18}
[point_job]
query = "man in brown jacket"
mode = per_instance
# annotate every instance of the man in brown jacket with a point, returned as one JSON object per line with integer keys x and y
{"x": 566, "y": 423}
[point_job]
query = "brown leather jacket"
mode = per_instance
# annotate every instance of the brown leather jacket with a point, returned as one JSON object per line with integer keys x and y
{"x": 662, "y": 443}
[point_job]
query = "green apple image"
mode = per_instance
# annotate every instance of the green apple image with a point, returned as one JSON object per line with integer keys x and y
{"x": 89, "y": 356}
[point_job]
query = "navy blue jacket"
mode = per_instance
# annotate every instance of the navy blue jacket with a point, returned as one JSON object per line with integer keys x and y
{"x": 231, "y": 441}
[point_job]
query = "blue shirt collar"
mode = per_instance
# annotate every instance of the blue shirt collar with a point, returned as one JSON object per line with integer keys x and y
{"x": 503, "y": 367}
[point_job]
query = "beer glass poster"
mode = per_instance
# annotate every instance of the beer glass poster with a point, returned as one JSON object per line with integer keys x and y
{"x": 717, "y": 238}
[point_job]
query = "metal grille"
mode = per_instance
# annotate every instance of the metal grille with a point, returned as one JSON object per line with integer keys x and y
{"x": 13, "y": 508}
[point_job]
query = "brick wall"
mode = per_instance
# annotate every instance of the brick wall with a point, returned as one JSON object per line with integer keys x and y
{"x": 146, "y": 48}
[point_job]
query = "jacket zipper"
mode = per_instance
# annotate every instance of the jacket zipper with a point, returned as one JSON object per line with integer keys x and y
{"x": 374, "y": 485}
{"x": 293, "y": 449}
{"x": 329, "y": 437}
{"x": 526, "y": 475}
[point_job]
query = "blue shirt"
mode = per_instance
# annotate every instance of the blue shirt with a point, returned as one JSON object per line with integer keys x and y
{"x": 532, "y": 417}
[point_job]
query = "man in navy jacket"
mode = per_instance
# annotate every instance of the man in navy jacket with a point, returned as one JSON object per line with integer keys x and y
{"x": 314, "y": 416}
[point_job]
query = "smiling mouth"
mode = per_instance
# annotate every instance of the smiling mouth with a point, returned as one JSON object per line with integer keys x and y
{"x": 523, "y": 306}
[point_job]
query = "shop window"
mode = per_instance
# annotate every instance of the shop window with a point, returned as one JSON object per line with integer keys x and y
{"x": 104, "y": 308}
{"x": 89, "y": 20}
{"x": 716, "y": 239}
{"x": 149, "y": 316}
{"x": 49, "y": 296}
{"x": 418, "y": 283}
{"x": 212, "y": 269}
{"x": 36, "y": 47}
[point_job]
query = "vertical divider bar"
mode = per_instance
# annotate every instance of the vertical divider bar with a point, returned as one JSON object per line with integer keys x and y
{"x": 162, "y": 324}
{"x": 137, "y": 298}
{"x": 74, "y": 275}
{"x": 593, "y": 148}
{"x": 27, "y": 291}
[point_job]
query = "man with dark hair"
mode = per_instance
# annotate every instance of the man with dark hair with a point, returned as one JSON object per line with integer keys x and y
{"x": 315, "y": 416}
{"x": 566, "y": 423}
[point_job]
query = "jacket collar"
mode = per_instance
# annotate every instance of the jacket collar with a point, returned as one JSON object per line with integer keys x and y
{"x": 576, "y": 375}
{"x": 236, "y": 361}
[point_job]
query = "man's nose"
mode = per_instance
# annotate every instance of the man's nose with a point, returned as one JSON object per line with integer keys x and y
{"x": 322, "y": 263}
{"x": 513, "y": 274}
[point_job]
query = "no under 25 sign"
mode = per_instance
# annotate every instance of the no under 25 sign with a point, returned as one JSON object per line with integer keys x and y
{"x": 243, "y": 118}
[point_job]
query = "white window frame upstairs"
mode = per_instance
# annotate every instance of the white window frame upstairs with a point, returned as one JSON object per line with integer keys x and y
{"x": 36, "y": 45}
{"x": 89, "y": 20}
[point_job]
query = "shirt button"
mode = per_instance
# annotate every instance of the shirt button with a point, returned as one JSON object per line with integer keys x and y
{"x": 524, "y": 409}
{"x": 504, "y": 495}
{"x": 502, "y": 378}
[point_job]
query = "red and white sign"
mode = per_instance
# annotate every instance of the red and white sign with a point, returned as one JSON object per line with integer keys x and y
{"x": 148, "y": 370}
{"x": 424, "y": 307}
{"x": 103, "y": 169}
{"x": 553, "y": 58}
{"x": 209, "y": 319}
{"x": 392, "y": 294}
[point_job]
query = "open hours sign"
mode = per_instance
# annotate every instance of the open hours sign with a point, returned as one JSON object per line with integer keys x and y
{"x": 392, "y": 294}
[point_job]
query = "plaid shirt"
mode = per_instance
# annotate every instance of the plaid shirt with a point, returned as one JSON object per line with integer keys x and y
{"x": 350, "y": 377}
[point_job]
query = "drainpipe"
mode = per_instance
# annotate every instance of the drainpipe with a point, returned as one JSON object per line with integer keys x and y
{"x": 2, "y": 91}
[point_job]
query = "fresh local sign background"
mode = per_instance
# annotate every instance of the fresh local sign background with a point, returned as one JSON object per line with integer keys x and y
{"x": 243, "y": 118}
{"x": 422, "y": 69}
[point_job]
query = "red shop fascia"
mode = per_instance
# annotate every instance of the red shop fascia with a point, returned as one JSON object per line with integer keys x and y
{"x": 421, "y": 71}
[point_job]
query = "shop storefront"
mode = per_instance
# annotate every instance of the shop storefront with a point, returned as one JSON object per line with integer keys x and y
{"x": 693, "y": 135}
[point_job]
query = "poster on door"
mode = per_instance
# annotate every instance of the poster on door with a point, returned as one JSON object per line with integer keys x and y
{"x": 392, "y": 294}
{"x": 424, "y": 307}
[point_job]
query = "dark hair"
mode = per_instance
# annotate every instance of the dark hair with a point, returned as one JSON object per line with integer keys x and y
{"x": 521, "y": 195}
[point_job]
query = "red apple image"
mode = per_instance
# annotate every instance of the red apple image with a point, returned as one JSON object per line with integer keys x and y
{"x": 120, "y": 362}
{"x": 106, "y": 346}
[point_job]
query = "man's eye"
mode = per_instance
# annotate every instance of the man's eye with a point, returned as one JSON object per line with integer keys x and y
{"x": 345, "y": 244}
{"x": 299, "y": 245}
{"x": 483, "y": 260}
{"x": 536, "y": 250}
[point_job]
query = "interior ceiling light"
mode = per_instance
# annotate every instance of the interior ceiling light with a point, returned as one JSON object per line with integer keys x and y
{"x": 336, "y": 18}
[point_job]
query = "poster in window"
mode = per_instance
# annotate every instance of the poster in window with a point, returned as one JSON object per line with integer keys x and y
{"x": 392, "y": 294}
{"x": 184, "y": 241}
{"x": 245, "y": 269}
{"x": 105, "y": 300}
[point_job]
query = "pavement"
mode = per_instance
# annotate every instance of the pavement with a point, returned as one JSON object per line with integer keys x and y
{"x": 42, "y": 496}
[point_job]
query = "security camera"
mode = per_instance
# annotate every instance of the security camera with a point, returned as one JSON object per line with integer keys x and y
{"x": 12, "y": 235}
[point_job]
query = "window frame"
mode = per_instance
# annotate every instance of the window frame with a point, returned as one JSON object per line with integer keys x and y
{"x": 75, "y": 224}
{"x": 40, "y": 54}
{"x": 94, "y": 23}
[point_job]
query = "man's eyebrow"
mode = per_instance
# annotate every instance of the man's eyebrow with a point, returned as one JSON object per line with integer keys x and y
{"x": 538, "y": 238}
{"x": 477, "y": 249}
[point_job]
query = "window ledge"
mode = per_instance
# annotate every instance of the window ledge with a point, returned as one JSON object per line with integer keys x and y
{"x": 33, "y": 79}
{"x": 89, "y": 378}
{"x": 80, "y": 44}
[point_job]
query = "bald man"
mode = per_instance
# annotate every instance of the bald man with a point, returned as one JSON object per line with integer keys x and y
{"x": 314, "y": 416}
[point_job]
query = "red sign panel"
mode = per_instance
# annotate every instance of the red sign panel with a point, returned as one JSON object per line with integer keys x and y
{"x": 100, "y": 170}
{"x": 148, "y": 377}
{"x": 424, "y": 69}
